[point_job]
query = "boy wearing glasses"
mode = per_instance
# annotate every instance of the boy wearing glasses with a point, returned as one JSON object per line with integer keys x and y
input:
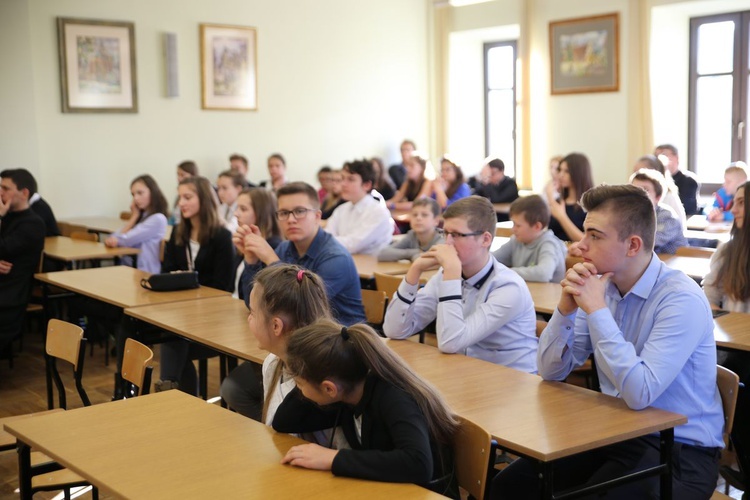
{"x": 482, "y": 308}
{"x": 306, "y": 245}
{"x": 362, "y": 224}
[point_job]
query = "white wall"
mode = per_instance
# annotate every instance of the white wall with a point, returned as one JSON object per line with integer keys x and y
{"x": 337, "y": 79}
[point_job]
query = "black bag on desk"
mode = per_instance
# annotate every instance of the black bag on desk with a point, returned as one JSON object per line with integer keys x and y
{"x": 169, "y": 282}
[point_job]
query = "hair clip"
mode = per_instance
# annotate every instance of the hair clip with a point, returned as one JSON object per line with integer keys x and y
{"x": 344, "y": 333}
{"x": 300, "y": 274}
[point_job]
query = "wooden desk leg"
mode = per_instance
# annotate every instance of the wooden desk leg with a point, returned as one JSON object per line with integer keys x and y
{"x": 666, "y": 438}
{"x": 24, "y": 470}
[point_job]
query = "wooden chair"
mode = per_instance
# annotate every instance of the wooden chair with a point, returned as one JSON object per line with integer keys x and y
{"x": 125, "y": 215}
{"x": 387, "y": 283}
{"x": 695, "y": 252}
{"x": 728, "y": 383}
{"x": 505, "y": 232}
{"x": 136, "y": 366}
{"x": 571, "y": 260}
{"x": 84, "y": 235}
{"x": 374, "y": 302}
{"x": 474, "y": 458}
{"x": 64, "y": 342}
{"x": 66, "y": 229}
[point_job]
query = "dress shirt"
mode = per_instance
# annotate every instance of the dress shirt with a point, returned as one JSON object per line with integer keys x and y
{"x": 653, "y": 347}
{"x": 365, "y": 227}
{"x": 489, "y": 316}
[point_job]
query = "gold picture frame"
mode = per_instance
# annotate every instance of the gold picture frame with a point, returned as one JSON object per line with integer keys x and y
{"x": 97, "y": 66}
{"x": 229, "y": 76}
{"x": 585, "y": 54}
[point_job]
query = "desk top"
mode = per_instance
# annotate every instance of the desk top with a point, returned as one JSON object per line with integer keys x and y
{"x": 120, "y": 286}
{"x": 368, "y": 265}
{"x": 544, "y": 420}
{"x": 220, "y": 323}
{"x": 68, "y": 249}
{"x": 212, "y": 452}
{"x": 97, "y": 223}
{"x": 546, "y": 296}
{"x": 700, "y": 222}
{"x": 732, "y": 331}
{"x": 695, "y": 267}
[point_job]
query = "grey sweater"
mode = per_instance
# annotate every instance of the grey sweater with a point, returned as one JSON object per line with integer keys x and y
{"x": 542, "y": 260}
{"x": 407, "y": 248}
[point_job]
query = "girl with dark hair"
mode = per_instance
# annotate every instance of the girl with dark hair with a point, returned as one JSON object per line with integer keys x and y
{"x": 451, "y": 186}
{"x": 417, "y": 185}
{"x": 398, "y": 426}
{"x": 383, "y": 183}
{"x": 567, "y": 215}
{"x": 185, "y": 169}
{"x": 198, "y": 243}
{"x": 146, "y": 227}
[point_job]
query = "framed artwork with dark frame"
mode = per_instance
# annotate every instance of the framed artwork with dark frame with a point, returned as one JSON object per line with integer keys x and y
{"x": 229, "y": 76}
{"x": 97, "y": 66}
{"x": 584, "y": 54}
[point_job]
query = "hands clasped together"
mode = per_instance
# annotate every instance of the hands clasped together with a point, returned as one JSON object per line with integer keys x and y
{"x": 584, "y": 288}
{"x": 253, "y": 246}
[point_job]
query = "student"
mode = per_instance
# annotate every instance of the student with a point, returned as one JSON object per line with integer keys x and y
{"x": 184, "y": 170}
{"x": 734, "y": 175}
{"x": 425, "y": 218}
{"x": 651, "y": 330}
{"x": 277, "y": 172}
{"x": 567, "y": 215}
{"x": 671, "y": 196}
{"x": 451, "y": 186}
{"x": 416, "y": 185}
{"x": 308, "y": 246}
{"x": 40, "y": 207}
{"x": 200, "y": 243}
{"x": 397, "y": 172}
{"x": 553, "y": 185}
{"x": 146, "y": 227}
{"x": 686, "y": 181}
{"x": 670, "y": 234}
{"x": 324, "y": 179}
{"x": 495, "y": 185}
{"x": 383, "y": 183}
{"x": 21, "y": 243}
{"x": 239, "y": 164}
{"x": 533, "y": 252}
{"x": 333, "y": 199}
{"x": 727, "y": 285}
{"x": 255, "y": 207}
{"x": 284, "y": 298}
{"x": 362, "y": 224}
{"x": 228, "y": 187}
{"x": 483, "y": 309}
{"x": 398, "y": 426}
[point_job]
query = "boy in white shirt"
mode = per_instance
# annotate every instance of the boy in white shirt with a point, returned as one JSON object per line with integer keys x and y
{"x": 362, "y": 224}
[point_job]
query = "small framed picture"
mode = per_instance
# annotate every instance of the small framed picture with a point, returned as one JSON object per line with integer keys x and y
{"x": 229, "y": 75}
{"x": 97, "y": 66}
{"x": 584, "y": 54}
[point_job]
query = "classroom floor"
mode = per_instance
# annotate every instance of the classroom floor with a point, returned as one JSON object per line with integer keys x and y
{"x": 23, "y": 390}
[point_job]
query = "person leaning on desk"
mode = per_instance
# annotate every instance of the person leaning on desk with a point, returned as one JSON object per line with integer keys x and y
{"x": 651, "y": 330}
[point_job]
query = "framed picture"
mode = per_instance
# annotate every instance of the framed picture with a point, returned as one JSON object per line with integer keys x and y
{"x": 228, "y": 67}
{"x": 584, "y": 54}
{"x": 97, "y": 66}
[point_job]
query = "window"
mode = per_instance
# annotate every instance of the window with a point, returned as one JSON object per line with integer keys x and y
{"x": 718, "y": 94}
{"x": 500, "y": 103}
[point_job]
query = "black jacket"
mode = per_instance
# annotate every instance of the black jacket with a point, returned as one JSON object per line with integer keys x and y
{"x": 21, "y": 243}
{"x": 214, "y": 262}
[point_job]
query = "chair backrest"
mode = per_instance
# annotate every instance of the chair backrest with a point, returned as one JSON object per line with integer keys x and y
{"x": 374, "y": 302}
{"x": 728, "y": 383}
{"x": 503, "y": 231}
{"x": 387, "y": 283}
{"x": 65, "y": 341}
{"x": 473, "y": 457}
{"x": 125, "y": 215}
{"x": 571, "y": 261}
{"x": 84, "y": 235}
{"x": 540, "y": 326}
{"x": 66, "y": 229}
{"x": 136, "y": 365}
{"x": 695, "y": 252}
{"x": 162, "y": 247}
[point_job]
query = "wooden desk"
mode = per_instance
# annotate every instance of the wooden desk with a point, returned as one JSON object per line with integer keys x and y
{"x": 695, "y": 267}
{"x": 709, "y": 237}
{"x": 368, "y": 265}
{"x": 120, "y": 286}
{"x": 501, "y": 208}
{"x": 700, "y": 223}
{"x": 97, "y": 223}
{"x": 538, "y": 419}
{"x": 219, "y": 323}
{"x": 70, "y": 250}
{"x": 546, "y": 296}
{"x": 171, "y": 445}
{"x": 732, "y": 331}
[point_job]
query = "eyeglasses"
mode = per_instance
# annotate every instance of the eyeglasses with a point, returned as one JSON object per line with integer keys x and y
{"x": 456, "y": 236}
{"x": 298, "y": 212}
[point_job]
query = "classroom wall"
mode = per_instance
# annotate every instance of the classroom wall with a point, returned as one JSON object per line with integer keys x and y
{"x": 337, "y": 79}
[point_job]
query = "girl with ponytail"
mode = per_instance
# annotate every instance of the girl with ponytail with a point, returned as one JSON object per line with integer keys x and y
{"x": 398, "y": 426}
